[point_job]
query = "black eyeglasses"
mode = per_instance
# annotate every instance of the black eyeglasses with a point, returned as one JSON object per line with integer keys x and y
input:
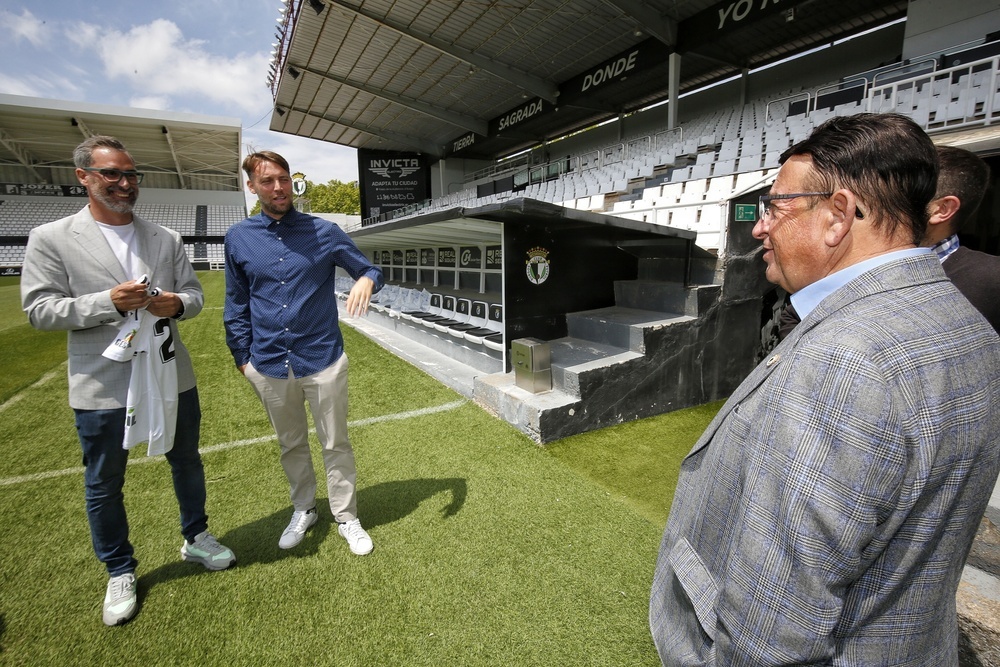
{"x": 115, "y": 175}
{"x": 765, "y": 210}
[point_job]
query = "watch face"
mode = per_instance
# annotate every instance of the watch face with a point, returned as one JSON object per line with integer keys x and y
{"x": 299, "y": 186}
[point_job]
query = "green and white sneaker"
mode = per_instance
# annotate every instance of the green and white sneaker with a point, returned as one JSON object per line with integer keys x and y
{"x": 206, "y": 550}
{"x": 120, "y": 602}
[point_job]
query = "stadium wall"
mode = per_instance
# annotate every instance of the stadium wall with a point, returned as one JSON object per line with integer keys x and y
{"x": 933, "y": 26}
{"x": 160, "y": 196}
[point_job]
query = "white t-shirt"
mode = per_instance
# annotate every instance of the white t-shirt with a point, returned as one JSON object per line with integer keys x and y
{"x": 121, "y": 238}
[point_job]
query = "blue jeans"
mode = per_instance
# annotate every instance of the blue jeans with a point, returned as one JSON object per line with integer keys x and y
{"x": 101, "y": 433}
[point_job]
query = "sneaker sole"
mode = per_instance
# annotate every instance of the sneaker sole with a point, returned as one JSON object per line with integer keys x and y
{"x": 208, "y": 564}
{"x": 121, "y": 621}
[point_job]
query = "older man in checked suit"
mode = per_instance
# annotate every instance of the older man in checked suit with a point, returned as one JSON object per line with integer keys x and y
{"x": 825, "y": 515}
{"x": 80, "y": 275}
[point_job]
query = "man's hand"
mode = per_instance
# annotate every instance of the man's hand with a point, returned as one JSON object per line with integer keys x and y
{"x": 360, "y": 297}
{"x": 166, "y": 304}
{"x": 129, "y": 296}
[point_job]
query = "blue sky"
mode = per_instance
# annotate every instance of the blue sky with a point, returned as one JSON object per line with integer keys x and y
{"x": 199, "y": 56}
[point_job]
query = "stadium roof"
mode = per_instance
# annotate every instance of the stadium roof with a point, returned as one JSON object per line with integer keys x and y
{"x": 175, "y": 150}
{"x": 487, "y": 78}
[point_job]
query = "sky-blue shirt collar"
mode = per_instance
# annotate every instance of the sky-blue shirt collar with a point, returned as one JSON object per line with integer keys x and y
{"x": 809, "y": 297}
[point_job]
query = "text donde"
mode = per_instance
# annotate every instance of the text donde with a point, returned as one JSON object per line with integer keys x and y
{"x": 609, "y": 72}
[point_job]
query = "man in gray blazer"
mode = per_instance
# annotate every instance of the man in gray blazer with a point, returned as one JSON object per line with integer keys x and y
{"x": 824, "y": 516}
{"x": 80, "y": 275}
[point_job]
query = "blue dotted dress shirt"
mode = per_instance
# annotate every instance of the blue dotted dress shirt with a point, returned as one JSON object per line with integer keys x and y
{"x": 281, "y": 311}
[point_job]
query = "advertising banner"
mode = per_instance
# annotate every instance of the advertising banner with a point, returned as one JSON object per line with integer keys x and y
{"x": 392, "y": 180}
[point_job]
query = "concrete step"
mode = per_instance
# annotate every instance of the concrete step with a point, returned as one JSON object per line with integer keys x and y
{"x": 667, "y": 297}
{"x": 618, "y": 326}
{"x": 574, "y": 361}
{"x": 543, "y": 417}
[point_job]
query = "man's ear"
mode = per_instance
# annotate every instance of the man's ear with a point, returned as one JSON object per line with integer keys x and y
{"x": 81, "y": 176}
{"x": 250, "y": 187}
{"x": 841, "y": 209}
{"x": 943, "y": 209}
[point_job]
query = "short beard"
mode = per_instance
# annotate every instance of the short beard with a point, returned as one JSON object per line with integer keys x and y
{"x": 113, "y": 203}
{"x": 273, "y": 211}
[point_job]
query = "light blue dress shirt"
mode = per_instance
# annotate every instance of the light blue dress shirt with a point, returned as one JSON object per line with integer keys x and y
{"x": 809, "y": 297}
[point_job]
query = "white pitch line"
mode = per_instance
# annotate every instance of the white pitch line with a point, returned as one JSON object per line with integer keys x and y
{"x": 39, "y": 476}
{"x": 51, "y": 375}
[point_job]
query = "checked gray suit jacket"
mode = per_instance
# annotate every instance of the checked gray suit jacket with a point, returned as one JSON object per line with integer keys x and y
{"x": 825, "y": 515}
{"x": 69, "y": 270}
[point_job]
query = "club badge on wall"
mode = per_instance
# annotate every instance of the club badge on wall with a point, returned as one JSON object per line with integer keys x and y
{"x": 298, "y": 184}
{"x": 537, "y": 265}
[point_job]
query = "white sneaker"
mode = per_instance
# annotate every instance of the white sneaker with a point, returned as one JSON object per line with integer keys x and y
{"x": 206, "y": 550}
{"x": 356, "y": 536}
{"x": 302, "y": 520}
{"x": 120, "y": 603}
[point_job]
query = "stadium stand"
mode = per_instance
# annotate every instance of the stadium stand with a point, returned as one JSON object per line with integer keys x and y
{"x": 641, "y": 171}
{"x": 737, "y": 149}
{"x": 191, "y": 185}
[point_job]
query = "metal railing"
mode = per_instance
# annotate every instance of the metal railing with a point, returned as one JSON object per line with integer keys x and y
{"x": 949, "y": 98}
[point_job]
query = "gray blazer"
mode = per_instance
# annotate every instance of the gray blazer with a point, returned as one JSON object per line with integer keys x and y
{"x": 69, "y": 271}
{"x": 824, "y": 516}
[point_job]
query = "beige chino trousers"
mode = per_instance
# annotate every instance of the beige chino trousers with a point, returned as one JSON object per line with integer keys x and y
{"x": 284, "y": 400}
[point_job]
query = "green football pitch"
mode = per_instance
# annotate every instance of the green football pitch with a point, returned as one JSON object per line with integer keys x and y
{"x": 489, "y": 550}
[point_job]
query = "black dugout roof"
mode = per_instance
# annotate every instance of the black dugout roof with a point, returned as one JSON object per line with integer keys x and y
{"x": 485, "y": 78}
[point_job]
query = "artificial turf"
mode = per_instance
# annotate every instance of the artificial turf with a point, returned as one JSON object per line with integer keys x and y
{"x": 489, "y": 549}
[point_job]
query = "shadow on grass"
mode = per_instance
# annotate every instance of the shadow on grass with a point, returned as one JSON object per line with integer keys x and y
{"x": 391, "y": 501}
{"x": 378, "y": 505}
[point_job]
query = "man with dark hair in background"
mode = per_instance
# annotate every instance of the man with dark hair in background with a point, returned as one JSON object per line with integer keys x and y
{"x": 81, "y": 275}
{"x": 282, "y": 329}
{"x": 963, "y": 179}
{"x": 825, "y": 515}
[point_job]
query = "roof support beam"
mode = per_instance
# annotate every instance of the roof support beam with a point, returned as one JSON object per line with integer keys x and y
{"x": 173, "y": 154}
{"x": 80, "y": 125}
{"x": 420, "y": 146}
{"x": 459, "y": 120}
{"x": 536, "y": 86}
{"x": 648, "y": 20}
{"x": 22, "y": 155}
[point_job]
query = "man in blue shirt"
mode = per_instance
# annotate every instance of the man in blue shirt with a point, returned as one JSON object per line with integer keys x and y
{"x": 282, "y": 329}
